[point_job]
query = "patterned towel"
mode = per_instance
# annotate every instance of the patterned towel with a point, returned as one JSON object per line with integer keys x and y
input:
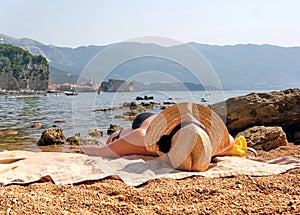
{"x": 22, "y": 167}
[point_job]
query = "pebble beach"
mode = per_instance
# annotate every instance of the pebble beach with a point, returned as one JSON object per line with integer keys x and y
{"x": 278, "y": 194}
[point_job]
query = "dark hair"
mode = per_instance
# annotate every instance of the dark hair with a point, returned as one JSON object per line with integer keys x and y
{"x": 165, "y": 141}
{"x": 139, "y": 119}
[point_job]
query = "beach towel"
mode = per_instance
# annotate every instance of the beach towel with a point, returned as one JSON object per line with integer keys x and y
{"x": 23, "y": 167}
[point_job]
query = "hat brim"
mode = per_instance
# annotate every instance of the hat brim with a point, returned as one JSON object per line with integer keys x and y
{"x": 178, "y": 113}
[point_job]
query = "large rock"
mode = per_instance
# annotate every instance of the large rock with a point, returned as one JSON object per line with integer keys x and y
{"x": 269, "y": 109}
{"x": 265, "y": 138}
{"x": 52, "y": 137}
{"x": 74, "y": 140}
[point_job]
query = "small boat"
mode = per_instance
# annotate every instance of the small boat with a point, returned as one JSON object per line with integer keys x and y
{"x": 203, "y": 100}
{"x": 71, "y": 93}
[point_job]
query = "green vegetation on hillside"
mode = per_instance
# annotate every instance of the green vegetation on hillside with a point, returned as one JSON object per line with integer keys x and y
{"x": 22, "y": 70}
{"x": 15, "y": 58}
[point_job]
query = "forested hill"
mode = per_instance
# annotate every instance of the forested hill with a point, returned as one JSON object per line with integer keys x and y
{"x": 20, "y": 70}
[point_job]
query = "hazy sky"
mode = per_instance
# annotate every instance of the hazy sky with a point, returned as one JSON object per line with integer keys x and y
{"x": 74, "y": 23}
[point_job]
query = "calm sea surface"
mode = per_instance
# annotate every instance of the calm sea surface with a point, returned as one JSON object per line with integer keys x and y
{"x": 75, "y": 113}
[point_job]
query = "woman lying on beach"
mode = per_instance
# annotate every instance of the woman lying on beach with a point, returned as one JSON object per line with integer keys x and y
{"x": 127, "y": 141}
{"x": 188, "y": 135}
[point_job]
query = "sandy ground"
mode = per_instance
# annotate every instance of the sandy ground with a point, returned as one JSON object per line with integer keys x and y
{"x": 279, "y": 194}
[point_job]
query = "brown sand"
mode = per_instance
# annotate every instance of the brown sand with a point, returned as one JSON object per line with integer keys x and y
{"x": 279, "y": 194}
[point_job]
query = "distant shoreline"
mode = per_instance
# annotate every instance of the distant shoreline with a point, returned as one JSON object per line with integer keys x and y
{"x": 23, "y": 92}
{"x": 54, "y": 92}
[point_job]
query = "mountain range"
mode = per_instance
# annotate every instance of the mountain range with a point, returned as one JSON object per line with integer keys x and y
{"x": 243, "y": 66}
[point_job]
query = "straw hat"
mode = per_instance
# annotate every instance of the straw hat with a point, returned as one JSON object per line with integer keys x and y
{"x": 188, "y": 135}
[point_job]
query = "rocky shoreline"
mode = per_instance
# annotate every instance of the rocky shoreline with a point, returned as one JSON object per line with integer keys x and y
{"x": 267, "y": 120}
{"x": 30, "y": 92}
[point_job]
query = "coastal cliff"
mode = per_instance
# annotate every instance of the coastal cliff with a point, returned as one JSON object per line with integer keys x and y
{"x": 20, "y": 70}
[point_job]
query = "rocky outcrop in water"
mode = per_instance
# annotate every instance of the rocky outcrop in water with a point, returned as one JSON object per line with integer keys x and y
{"x": 52, "y": 137}
{"x": 86, "y": 140}
{"x": 8, "y": 132}
{"x": 267, "y": 109}
{"x": 113, "y": 128}
{"x": 95, "y": 132}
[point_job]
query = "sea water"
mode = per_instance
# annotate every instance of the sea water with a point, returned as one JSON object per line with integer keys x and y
{"x": 76, "y": 114}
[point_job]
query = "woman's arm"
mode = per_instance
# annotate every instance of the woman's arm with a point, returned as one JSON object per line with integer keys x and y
{"x": 97, "y": 150}
{"x": 130, "y": 143}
